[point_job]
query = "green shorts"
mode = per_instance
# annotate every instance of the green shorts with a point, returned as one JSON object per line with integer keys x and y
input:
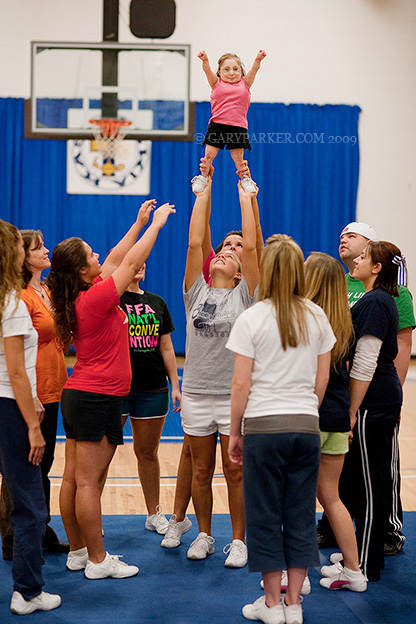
{"x": 334, "y": 442}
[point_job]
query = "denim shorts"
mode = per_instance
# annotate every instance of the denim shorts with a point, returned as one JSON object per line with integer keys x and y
{"x": 146, "y": 404}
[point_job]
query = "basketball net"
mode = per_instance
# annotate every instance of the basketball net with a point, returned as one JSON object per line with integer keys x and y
{"x": 108, "y": 134}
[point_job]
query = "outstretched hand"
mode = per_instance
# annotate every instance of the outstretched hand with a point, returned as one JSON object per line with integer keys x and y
{"x": 162, "y": 213}
{"x": 261, "y": 54}
{"x": 144, "y": 211}
{"x": 203, "y": 56}
{"x": 203, "y": 168}
{"x": 243, "y": 169}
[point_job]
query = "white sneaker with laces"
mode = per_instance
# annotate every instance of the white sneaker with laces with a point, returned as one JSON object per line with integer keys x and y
{"x": 174, "y": 532}
{"x": 293, "y": 613}
{"x": 43, "y": 602}
{"x": 249, "y": 186}
{"x": 77, "y": 559}
{"x": 346, "y": 579}
{"x": 260, "y": 611}
{"x": 201, "y": 547}
{"x": 199, "y": 182}
{"x": 306, "y": 587}
{"x": 237, "y": 554}
{"x": 157, "y": 522}
{"x": 110, "y": 567}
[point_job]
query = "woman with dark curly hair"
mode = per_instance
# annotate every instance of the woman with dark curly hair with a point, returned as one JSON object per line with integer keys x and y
{"x": 86, "y": 304}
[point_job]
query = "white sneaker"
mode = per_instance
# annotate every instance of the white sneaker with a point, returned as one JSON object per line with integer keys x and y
{"x": 237, "y": 554}
{"x": 306, "y": 587}
{"x": 199, "y": 183}
{"x": 43, "y": 602}
{"x": 201, "y": 547}
{"x": 77, "y": 559}
{"x": 293, "y": 613}
{"x": 111, "y": 567}
{"x": 346, "y": 579}
{"x": 249, "y": 186}
{"x": 174, "y": 531}
{"x": 260, "y": 611}
{"x": 336, "y": 568}
{"x": 157, "y": 522}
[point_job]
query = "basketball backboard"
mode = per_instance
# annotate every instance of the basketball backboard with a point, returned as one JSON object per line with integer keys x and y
{"x": 72, "y": 83}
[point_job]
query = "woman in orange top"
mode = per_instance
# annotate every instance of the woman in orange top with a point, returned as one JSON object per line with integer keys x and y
{"x": 51, "y": 375}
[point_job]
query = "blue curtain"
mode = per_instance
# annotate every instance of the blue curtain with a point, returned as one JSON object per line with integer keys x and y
{"x": 305, "y": 159}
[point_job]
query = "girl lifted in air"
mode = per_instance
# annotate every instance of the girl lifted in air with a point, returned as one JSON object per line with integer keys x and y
{"x": 230, "y": 100}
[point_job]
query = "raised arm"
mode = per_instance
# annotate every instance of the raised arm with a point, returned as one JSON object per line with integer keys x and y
{"x": 249, "y": 253}
{"x": 251, "y": 74}
{"x": 211, "y": 77}
{"x": 245, "y": 171}
{"x": 197, "y": 225}
{"x": 116, "y": 255}
{"x": 207, "y": 243}
{"x": 138, "y": 254}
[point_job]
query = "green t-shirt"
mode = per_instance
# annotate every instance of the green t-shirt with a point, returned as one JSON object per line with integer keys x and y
{"x": 404, "y": 301}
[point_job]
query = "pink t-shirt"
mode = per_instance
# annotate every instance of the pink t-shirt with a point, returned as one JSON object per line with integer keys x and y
{"x": 205, "y": 268}
{"x": 103, "y": 359}
{"x": 230, "y": 102}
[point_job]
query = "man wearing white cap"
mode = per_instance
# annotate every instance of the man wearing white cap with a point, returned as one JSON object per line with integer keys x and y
{"x": 353, "y": 239}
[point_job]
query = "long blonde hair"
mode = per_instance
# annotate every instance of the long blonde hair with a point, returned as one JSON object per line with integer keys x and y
{"x": 282, "y": 281}
{"x": 327, "y": 287}
{"x": 10, "y": 273}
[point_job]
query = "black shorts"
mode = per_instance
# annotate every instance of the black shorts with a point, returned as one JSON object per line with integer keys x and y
{"x": 88, "y": 416}
{"x": 222, "y": 135}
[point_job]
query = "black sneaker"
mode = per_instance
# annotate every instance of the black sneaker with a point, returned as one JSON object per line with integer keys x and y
{"x": 390, "y": 550}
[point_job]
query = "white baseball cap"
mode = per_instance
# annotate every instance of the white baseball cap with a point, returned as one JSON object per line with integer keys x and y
{"x": 356, "y": 227}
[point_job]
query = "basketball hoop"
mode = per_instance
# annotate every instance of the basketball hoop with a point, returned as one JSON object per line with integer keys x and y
{"x": 108, "y": 134}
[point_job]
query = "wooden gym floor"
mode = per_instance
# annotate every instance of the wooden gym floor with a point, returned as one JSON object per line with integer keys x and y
{"x": 122, "y": 493}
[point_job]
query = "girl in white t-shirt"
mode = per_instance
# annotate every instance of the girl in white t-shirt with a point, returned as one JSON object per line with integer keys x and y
{"x": 21, "y": 442}
{"x": 283, "y": 352}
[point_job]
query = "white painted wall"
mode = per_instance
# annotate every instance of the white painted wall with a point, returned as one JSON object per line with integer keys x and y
{"x": 319, "y": 51}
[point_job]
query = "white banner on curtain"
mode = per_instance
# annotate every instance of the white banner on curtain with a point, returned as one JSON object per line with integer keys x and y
{"x": 127, "y": 174}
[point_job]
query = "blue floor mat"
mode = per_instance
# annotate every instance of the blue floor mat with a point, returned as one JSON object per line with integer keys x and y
{"x": 174, "y": 590}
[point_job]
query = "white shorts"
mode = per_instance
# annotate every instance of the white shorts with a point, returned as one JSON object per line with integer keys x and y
{"x": 205, "y": 414}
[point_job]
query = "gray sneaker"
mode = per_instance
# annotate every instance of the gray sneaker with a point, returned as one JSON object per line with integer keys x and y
{"x": 175, "y": 531}
{"x": 260, "y": 611}
{"x": 111, "y": 567}
{"x": 43, "y": 602}
{"x": 157, "y": 522}
{"x": 201, "y": 547}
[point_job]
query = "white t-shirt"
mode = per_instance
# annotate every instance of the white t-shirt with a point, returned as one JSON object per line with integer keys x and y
{"x": 282, "y": 382}
{"x": 17, "y": 322}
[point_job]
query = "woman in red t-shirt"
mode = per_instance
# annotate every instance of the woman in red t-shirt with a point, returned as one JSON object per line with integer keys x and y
{"x": 86, "y": 304}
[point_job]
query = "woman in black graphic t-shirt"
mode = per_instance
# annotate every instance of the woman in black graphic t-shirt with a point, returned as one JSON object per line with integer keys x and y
{"x": 152, "y": 361}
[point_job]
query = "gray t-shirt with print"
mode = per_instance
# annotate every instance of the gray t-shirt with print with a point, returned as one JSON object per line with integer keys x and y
{"x": 210, "y": 316}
